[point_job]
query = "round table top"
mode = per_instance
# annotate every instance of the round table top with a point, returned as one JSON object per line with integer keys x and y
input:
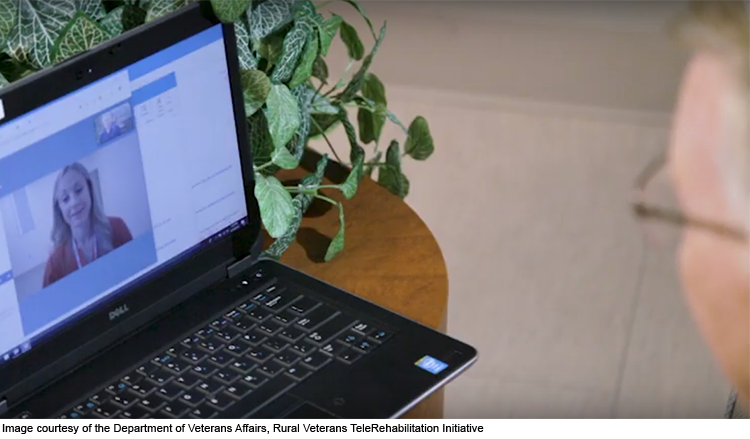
{"x": 390, "y": 257}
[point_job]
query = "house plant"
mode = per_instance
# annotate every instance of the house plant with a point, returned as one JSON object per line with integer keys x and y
{"x": 289, "y": 97}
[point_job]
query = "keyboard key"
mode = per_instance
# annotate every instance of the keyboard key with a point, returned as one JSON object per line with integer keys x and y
{"x": 243, "y": 325}
{"x": 271, "y": 327}
{"x": 259, "y": 354}
{"x": 162, "y": 359}
{"x": 281, "y": 300}
{"x": 238, "y": 347}
{"x": 187, "y": 380}
{"x": 211, "y": 345}
{"x": 287, "y": 357}
{"x": 299, "y": 373}
{"x": 210, "y": 386}
{"x": 175, "y": 409}
{"x": 100, "y": 397}
{"x": 286, "y": 317}
{"x": 243, "y": 366}
{"x": 380, "y": 335}
{"x": 220, "y": 401}
{"x": 259, "y": 314}
{"x": 177, "y": 366}
{"x": 349, "y": 356}
{"x": 303, "y": 305}
{"x": 275, "y": 344}
{"x": 254, "y": 379}
{"x": 333, "y": 348}
{"x": 123, "y": 400}
{"x": 191, "y": 341}
{"x": 204, "y": 369}
{"x": 71, "y": 415}
{"x": 365, "y": 346}
{"x": 203, "y": 411}
{"x": 330, "y": 329}
{"x": 135, "y": 412}
{"x": 238, "y": 390}
{"x": 304, "y": 346}
{"x": 206, "y": 332}
{"x": 107, "y": 410}
{"x": 146, "y": 369}
{"x": 221, "y": 359}
{"x": 170, "y": 391}
{"x": 272, "y": 368}
{"x": 350, "y": 338}
{"x": 219, "y": 324}
{"x": 363, "y": 328}
{"x": 262, "y": 395}
{"x": 117, "y": 388}
{"x": 246, "y": 306}
{"x": 85, "y": 407}
{"x": 292, "y": 334}
{"x": 132, "y": 378}
{"x": 152, "y": 403}
{"x": 228, "y": 334}
{"x": 226, "y": 376}
{"x": 254, "y": 338}
{"x": 143, "y": 388}
{"x": 233, "y": 314}
{"x": 316, "y": 317}
{"x": 176, "y": 350}
{"x": 316, "y": 360}
{"x": 193, "y": 355}
{"x": 160, "y": 376}
{"x": 193, "y": 398}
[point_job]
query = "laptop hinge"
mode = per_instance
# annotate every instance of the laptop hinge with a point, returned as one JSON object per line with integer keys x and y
{"x": 3, "y": 406}
{"x": 240, "y": 266}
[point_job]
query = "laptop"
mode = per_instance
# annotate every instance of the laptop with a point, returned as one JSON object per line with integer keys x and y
{"x": 130, "y": 279}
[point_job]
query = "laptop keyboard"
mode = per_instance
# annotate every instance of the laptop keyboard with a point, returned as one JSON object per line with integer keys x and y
{"x": 251, "y": 353}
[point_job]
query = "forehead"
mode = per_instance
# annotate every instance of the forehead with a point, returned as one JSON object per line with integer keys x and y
{"x": 71, "y": 178}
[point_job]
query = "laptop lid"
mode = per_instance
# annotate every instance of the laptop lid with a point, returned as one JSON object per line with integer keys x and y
{"x": 125, "y": 174}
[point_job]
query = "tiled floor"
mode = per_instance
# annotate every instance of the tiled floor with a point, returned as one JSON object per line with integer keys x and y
{"x": 549, "y": 275}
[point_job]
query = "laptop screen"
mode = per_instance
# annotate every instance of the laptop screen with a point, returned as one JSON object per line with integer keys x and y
{"x": 108, "y": 184}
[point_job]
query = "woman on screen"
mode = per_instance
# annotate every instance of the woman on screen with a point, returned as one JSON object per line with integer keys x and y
{"x": 81, "y": 232}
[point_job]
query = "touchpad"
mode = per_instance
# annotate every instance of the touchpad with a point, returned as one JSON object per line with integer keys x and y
{"x": 309, "y": 411}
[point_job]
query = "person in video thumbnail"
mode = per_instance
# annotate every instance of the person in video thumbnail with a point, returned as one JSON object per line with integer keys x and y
{"x": 81, "y": 232}
{"x": 110, "y": 129}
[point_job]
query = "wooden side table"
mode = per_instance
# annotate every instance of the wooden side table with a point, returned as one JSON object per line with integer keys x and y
{"x": 390, "y": 256}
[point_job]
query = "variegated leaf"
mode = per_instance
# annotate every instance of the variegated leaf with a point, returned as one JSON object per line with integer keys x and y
{"x": 8, "y": 19}
{"x": 276, "y": 209}
{"x": 261, "y": 144}
{"x": 246, "y": 56}
{"x": 337, "y": 244}
{"x": 303, "y": 72}
{"x": 159, "y": 8}
{"x": 356, "y": 83}
{"x": 92, "y": 8}
{"x": 270, "y": 16}
{"x": 255, "y": 88}
{"x": 229, "y": 11}
{"x": 280, "y": 245}
{"x": 112, "y": 23}
{"x": 3, "y": 81}
{"x": 132, "y": 17}
{"x": 38, "y": 25}
{"x": 294, "y": 43}
{"x": 390, "y": 175}
{"x": 81, "y": 34}
{"x": 282, "y": 113}
{"x": 328, "y": 32}
{"x": 312, "y": 180}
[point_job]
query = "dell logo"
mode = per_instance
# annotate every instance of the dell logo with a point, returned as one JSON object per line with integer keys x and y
{"x": 117, "y": 312}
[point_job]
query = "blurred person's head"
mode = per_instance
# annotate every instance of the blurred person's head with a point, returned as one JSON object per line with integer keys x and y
{"x": 709, "y": 161}
{"x": 107, "y": 121}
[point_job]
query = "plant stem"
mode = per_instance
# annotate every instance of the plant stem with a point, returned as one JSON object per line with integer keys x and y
{"x": 317, "y": 125}
{"x": 330, "y": 200}
{"x": 263, "y": 166}
{"x": 341, "y": 81}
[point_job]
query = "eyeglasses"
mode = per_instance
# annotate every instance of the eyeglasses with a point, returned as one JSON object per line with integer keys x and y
{"x": 673, "y": 216}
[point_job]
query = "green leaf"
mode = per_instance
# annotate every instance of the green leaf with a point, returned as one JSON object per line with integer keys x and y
{"x": 37, "y": 26}
{"x": 294, "y": 43}
{"x": 245, "y": 55}
{"x": 392, "y": 117}
{"x": 276, "y": 209}
{"x": 369, "y": 165}
{"x": 259, "y": 138}
{"x": 322, "y": 105}
{"x": 229, "y": 11}
{"x": 323, "y": 124}
{"x": 352, "y": 41}
{"x": 320, "y": 70}
{"x": 282, "y": 113}
{"x": 8, "y": 18}
{"x": 81, "y": 34}
{"x": 390, "y": 175}
{"x": 282, "y": 158}
{"x": 255, "y": 87}
{"x": 327, "y": 33}
{"x": 296, "y": 146}
{"x": 281, "y": 245}
{"x": 112, "y": 23}
{"x": 303, "y": 72}
{"x": 337, "y": 244}
{"x": 371, "y": 123}
{"x": 269, "y": 16}
{"x": 271, "y": 48}
{"x": 364, "y": 15}
{"x": 311, "y": 181}
{"x": 351, "y": 184}
{"x": 419, "y": 144}
{"x": 3, "y": 81}
{"x": 355, "y": 84}
{"x": 159, "y": 8}
{"x": 93, "y": 8}
{"x": 132, "y": 17}
{"x": 373, "y": 89}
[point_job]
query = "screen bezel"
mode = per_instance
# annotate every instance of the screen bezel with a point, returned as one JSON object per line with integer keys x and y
{"x": 80, "y": 340}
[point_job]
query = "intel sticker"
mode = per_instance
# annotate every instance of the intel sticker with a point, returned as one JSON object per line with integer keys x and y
{"x": 431, "y": 365}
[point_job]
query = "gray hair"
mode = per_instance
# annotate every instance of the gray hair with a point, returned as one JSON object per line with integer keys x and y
{"x": 61, "y": 233}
